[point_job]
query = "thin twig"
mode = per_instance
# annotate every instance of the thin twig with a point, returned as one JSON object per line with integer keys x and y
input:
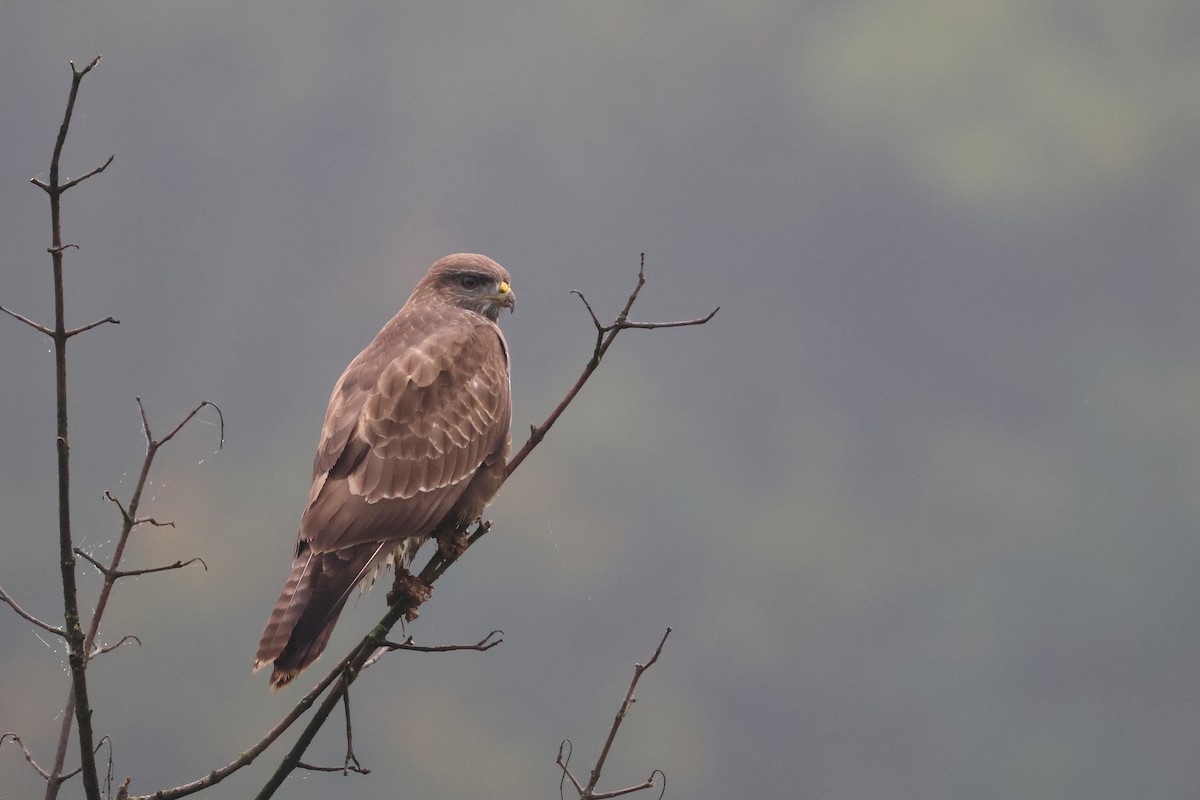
{"x": 350, "y": 763}
{"x": 109, "y": 648}
{"x": 28, "y": 755}
{"x": 86, "y": 175}
{"x": 90, "y": 325}
{"x": 486, "y": 643}
{"x": 28, "y": 321}
{"x": 108, "y": 773}
{"x": 92, "y": 560}
{"x": 7, "y": 598}
{"x": 589, "y": 792}
{"x": 605, "y": 336}
{"x": 128, "y": 573}
{"x": 115, "y": 501}
{"x": 345, "y": 769}
{"x": 191, "y": 414}
{"x": 638, "y": 669}
{"x": 649, "y": 326}
{"x": 133, "y": 523}
{"x": 112, "y": 571}
{"x": 562, "y": 763}
{"x": 646, "y": 784}
{"x": 115, "y": 574}
{"x": 152, "y": 522}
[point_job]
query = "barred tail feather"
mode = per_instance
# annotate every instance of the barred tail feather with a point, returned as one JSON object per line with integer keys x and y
{"x": 308, "y": 608}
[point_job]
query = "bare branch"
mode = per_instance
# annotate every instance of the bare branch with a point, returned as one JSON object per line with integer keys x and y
{"x": 350, "y": 764}
{"x": 92, "y": 560}
{"x": 562, "y": 762}
{"x": 191, "y": 414}
{"x": 124, "y": 514}
{"x": 109, "y": 648}
{"x": 177, "y": 565}
{"x": 86, "y": 175}
{"x": 7, "y": 598}
{"x": 248, "y": 756}
{"x": 114, "y": 574}
{"x": 649, "y": 326}
{"x": 90, "y": 325}
{"x": 108, "y": 773}
{"x": 605, "y": 336}
{"x": 589, "y": 792}
{"x": 601, "y": 329}
{"x": 133, "y": 523}
{"x": 85, "y": 70}
{"x": 346, "y": 672}
{"x": 37, "y": 327}
{"x": 486, "y": 643}
{"x": 25, "y": 750}
{"x": 646, "y": 784}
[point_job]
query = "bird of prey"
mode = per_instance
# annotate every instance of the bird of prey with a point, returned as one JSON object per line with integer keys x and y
{"x": 415, "y": 441}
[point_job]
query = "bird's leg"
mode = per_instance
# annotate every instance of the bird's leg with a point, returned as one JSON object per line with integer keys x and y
{"x": 408, "y": 592}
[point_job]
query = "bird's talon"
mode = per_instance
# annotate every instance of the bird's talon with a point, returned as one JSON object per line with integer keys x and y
{"x": 408, "y": 592}
{"x": 451, "y": 544}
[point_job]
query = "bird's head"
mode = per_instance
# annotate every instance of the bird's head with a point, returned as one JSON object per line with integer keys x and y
{"x": 471, "y": 281}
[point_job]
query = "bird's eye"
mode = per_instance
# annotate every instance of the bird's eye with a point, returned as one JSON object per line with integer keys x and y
{"x": 469, "y": 282}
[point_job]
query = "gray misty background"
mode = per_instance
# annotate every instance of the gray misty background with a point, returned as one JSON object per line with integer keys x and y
{"x": 921, "y": 503}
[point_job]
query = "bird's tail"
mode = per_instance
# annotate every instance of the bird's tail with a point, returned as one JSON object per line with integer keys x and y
{"x": 313, "y": 597}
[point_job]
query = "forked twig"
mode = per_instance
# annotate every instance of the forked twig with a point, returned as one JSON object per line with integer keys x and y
{"x": 350, "y": 763}
{"x": 109, "y": 648}
{"x": 385, "y": 647}
{"x": 112, "y": 571}
{"x": 116, "y": 574}
{"x": 605, "y": 336}
{"x": 135, "y": 522}
{"x": 28, "y": 755}
{"x": 486, "y": 643}
{"x": 589, "y": 792}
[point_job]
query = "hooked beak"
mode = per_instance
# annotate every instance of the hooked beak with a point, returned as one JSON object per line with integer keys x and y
{"x": 504, "y": 296}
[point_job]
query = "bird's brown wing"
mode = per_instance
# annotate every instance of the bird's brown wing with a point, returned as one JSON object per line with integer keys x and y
{"x": 408, "y": 425}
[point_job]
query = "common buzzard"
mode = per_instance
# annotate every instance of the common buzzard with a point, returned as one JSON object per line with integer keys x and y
{"x": 415, "y": 439}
